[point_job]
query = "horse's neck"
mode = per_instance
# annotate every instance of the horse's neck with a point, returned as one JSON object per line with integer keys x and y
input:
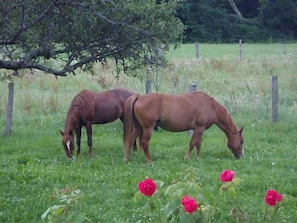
{"x": 69, "y": 124}
{"x": 225, "y": 122}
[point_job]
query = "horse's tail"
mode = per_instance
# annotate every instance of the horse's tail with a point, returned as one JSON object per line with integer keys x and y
{"x": 129, "y": 119}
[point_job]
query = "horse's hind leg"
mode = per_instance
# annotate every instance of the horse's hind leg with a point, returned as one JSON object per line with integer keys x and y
{"x": 195, "y": 141}
{"x": 135, "y": 145}
{"x": 89, "y": 134}
{"x": 145, "y": 140}
{"x": 128, "y": 141}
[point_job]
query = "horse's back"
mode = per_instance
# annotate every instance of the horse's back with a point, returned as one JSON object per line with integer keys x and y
{"x": 175, "y": 112}
{"x": 100, "y": 107}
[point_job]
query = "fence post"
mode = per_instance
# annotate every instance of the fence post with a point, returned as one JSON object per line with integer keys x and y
{"x": 197, "y": 50}
{"x": 193, "y": 87}
{"x": 148, "y": 86}
{"x": 148, "y": 90}
{"x": 274, "y": 98}
{"x": 240, "y": 50}
{"x": 9, "y": 109}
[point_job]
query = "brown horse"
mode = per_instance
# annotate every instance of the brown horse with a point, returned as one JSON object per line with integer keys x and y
{"x": 88, "y": 108}
{"x": 193, "y": 111}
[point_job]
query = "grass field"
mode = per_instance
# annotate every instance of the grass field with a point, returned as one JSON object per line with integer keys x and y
{"x": 36, "y": 175}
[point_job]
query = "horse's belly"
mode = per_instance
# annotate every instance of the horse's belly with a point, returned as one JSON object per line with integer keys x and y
{"x": 109, "y": 114}
{"x": 106, "y": 119}
{"x": 176, "y": 125}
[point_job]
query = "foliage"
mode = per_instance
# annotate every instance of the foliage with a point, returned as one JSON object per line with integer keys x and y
{"x": 176, "y": 205}
{"x": 280, "y": 15}
{"x": 64, "y": 211}
{"x": 167, "y": 201}
{"x": 60, "y": 36}
{"x": 215, "y": 21}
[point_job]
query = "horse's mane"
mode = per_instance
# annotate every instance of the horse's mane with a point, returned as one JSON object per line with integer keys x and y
{"x": 75, "y": 110}
{"x": 224, "y": 119}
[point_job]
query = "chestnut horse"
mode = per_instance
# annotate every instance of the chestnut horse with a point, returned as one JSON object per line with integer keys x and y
{"x": 88, "y": 108}
{"x": 193, "y": 111}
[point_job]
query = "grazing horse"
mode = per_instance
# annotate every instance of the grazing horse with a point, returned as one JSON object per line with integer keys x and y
{"x": 88, "y": 108}
{"x": 193, "y": 111}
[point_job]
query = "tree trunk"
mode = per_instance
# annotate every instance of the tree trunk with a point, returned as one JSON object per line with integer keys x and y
{"x": 9, "y": 109}
{"x": 235, "y": 9}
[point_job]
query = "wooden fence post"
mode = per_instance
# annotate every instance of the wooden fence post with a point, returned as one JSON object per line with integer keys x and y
{"x": 193, "y": 87}
{"x": 197, "y": 50}
{"x": 148, "y": 90}
{"x": 148, "y": 86}
{"x": 9, "y": 109}
{"x": 274, "y": 98}
{"x": 240, "y": 50}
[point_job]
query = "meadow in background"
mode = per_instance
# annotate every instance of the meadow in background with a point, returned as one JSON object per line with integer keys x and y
{"x": 35, "y": 172}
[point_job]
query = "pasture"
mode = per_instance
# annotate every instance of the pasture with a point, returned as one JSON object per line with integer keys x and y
{"x": 36, "y": 174}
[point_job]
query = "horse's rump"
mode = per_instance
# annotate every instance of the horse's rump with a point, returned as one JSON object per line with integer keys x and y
{"x": 129, "y": 117}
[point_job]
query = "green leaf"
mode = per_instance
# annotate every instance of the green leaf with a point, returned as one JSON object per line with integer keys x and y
{"x": 59, "y": 210}
{"x": 137, "y": 196}
{"x": 159, "y": 183}
{"x": 236, "y": 181}
{"x": 56, "y": 209}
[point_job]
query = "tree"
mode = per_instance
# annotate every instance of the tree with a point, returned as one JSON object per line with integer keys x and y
{"x": 280, "y": 16}
{"x": 226, "y": 21}
{"x": 79, "y": 33}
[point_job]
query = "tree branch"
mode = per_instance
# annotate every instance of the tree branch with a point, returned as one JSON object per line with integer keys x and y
{"x": 77, "y": 34}
{"x": 235, "y": 9}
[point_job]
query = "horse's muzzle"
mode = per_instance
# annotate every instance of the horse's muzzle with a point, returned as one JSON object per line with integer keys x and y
{"x": 238, "y": 156}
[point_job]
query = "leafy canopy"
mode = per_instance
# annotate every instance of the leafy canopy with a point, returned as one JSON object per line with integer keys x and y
{"x": 78, "y": 33}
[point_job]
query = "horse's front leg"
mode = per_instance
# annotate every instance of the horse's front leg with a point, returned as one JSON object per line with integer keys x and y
{"x": 89, "y": 134}
{"x": 195, "y": 141}
{"x": 78, "y": 138}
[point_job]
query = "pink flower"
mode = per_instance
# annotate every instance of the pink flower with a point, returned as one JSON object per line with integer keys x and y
{"x": 147, "y": 187}
{"x": 189, "y": 203}
{"x": 272, "y": 197}
{"x": 227, "y": 176}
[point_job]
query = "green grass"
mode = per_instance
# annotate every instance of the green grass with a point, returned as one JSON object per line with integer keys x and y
{"x": 33, "y": 162}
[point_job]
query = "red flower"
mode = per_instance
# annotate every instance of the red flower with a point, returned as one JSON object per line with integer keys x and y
{"x": 147, "y": 187}
{"x": 189, "y": 203}
{"x": 227, "y": 176}
{"x": 272, "y": 197}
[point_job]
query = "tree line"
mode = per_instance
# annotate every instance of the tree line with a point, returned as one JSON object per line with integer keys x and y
{"x": 228, "y": 20}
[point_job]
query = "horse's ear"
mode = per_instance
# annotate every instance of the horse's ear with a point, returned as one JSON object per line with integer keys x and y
{"x": 241, "y": 130}
{"x": 62, "y": 133}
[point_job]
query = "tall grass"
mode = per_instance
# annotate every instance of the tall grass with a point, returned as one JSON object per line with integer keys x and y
{"x": 34, "y": 165}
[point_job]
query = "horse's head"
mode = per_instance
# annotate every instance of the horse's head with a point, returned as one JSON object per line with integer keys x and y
{"x": 235, "y": 143}
{"x": 68, "y": 143}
